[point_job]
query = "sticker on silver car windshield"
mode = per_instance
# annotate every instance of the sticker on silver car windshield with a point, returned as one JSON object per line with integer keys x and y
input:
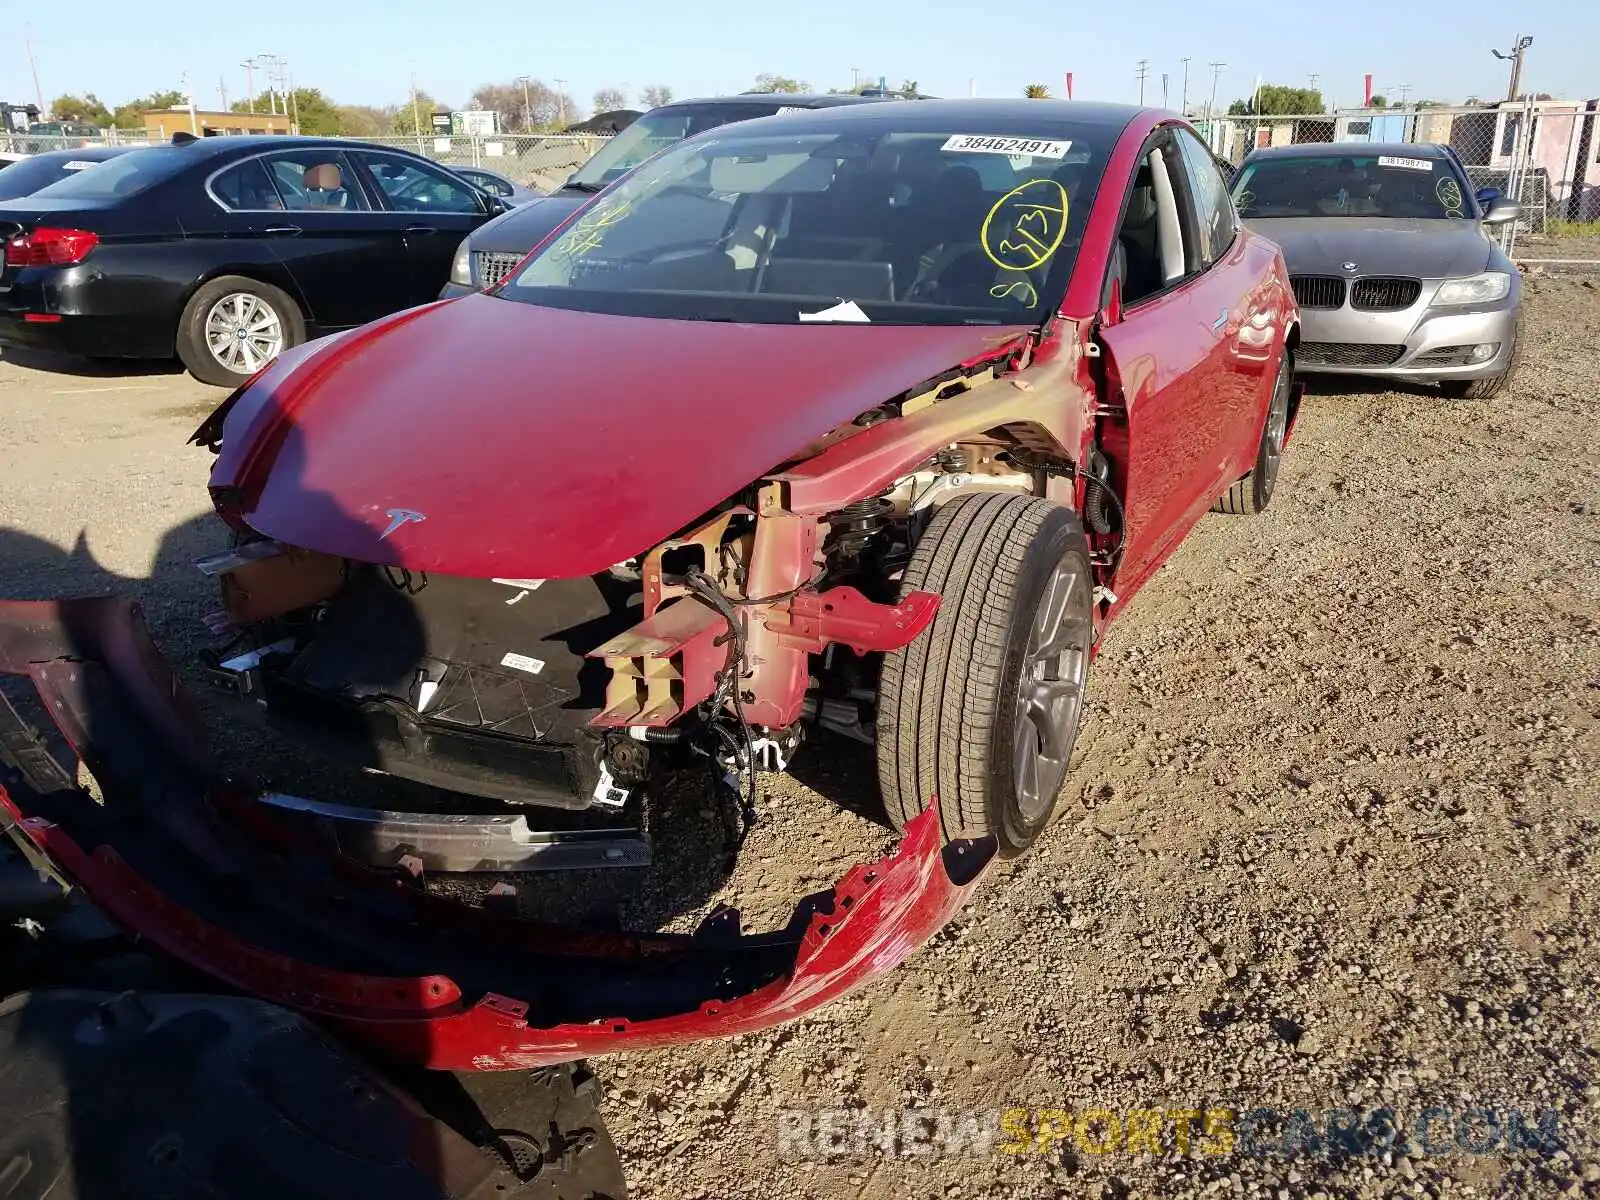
{"x": 1408, "y": 164}
{"x": 79, "y": 164}
{"x": 975, "y": 143}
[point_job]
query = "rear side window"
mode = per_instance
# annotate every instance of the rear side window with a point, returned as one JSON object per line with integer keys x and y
{"x": 28, "y": 176}
{"x": 489, "y": 183}
{"x": 246, "y": 187}
{"x": 315, "y": 180}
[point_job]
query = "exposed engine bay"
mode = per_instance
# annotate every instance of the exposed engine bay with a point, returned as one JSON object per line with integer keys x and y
{"x": 720, "y": 648}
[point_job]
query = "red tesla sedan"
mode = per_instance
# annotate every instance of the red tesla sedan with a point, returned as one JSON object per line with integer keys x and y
{"x": 865, "y": 419}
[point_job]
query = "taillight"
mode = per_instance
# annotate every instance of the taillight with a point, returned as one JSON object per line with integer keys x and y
{"x": 46, "y": 247}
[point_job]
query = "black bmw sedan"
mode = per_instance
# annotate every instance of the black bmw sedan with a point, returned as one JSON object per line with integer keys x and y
{"x": 225, "y": 251}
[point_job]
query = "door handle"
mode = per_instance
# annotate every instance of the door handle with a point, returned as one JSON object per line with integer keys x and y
{"x": 421, "y": 229}
{"x": 282, "y": 230}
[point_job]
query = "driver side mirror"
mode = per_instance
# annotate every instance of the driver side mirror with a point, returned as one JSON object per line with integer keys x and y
{"x": 1500, "y": 211}
{"x": 496, "y": 205}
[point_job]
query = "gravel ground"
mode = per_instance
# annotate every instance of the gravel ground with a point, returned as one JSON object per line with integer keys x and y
{"x": 1329, "y": 845}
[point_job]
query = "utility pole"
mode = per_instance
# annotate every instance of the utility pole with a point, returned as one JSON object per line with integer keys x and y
{"x": 416, "y": 106}
{"x": 1184, "y": 108}
{"x": 1216, "y": 71}
{"x": 249, "y": 66}
{"x": 561, "y": 99}
{"x": 855, "y": 78}
{"x": 38, "y": 92}
{"x": 222, "y": 92}
{"x": 1518, "y": 48}
{"x": 1164, "y": 103}
{"x": 1403, "y": 91}
{"x": 1144, "y": 70}
{"x": 527, "y": 104}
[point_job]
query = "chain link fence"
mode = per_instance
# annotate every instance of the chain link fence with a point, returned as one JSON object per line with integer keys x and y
{"x": 1544, "y": 154}
{"x": 540, "y": 161}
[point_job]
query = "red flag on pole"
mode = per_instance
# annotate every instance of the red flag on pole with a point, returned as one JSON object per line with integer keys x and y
{"x": 1367, "y": 103}
{"x": 1069, "y": 85}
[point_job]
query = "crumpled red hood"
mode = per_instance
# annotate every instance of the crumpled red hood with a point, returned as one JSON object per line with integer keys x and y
{"x": 543, "y": 443}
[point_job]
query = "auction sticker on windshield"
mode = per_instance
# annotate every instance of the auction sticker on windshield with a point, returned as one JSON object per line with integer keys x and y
{"x": 973, "y": 143}
{"x": 1409, "y": 164}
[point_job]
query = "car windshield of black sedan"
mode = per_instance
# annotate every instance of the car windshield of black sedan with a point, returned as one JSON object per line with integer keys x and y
{"x": 125, "y": 175}
{"x": 918, "y": 228}
{"x": 1350, "y": 185}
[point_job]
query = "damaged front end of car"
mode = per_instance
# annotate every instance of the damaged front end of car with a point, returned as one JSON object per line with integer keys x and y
{"x": 233, "y": 887}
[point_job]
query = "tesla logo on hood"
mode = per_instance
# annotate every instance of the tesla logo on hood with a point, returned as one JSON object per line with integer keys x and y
{"x": 398, "y": 517}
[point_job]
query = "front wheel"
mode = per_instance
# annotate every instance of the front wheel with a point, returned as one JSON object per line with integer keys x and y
{"x": 234, "y": 326}
{"x": 1253, "y": 492}
{"x": 982, "y": 710}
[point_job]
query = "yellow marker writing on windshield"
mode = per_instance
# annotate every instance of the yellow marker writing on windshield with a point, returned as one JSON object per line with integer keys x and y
{"x": 1026, "y": 225}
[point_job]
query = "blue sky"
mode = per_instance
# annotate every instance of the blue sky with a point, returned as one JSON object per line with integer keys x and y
{"x": 365, "y": 52}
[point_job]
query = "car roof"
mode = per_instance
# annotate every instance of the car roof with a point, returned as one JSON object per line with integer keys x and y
{"x": 1017, "y": 118}
{"x": 1323, "y": 149}
{"x": 255, "y": 143}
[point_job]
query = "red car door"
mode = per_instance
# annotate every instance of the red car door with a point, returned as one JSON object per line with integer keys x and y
{"x": 1227, "y": 292}
{"x": 1164, "y": 359}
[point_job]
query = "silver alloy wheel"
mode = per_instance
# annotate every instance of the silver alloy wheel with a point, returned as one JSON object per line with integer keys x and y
{"x": 1277, "y": 430}
{"x": 243, "y": 332}
{"x": 1050, "y": 691}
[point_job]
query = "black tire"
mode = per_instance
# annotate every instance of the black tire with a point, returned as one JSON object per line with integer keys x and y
{"x": 950, "y": 706}
{"x": 196, "y": 352}
{"x": 1253, "y": 492}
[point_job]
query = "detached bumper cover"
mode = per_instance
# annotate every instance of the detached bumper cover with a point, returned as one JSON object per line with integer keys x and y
{"x": 224, "y": 883}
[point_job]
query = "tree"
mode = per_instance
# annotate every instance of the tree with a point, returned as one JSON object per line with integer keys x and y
{"x": 525, "y": 107}
{"x": 81, "y": 108}
{"x": 1379, "y": 102}
{"x": 609, "y": 99}
{"x": 416, "y": 112}
{"x": 1274, "y": 100}
{"x": 908, "y": 89}
{"x": 363, "y": 120}
{"x": 1036, "y": 91}
{"x": 769, "y": 83}
{"x": 131, "y": 114}
{"x": 655, "y": 95}
{"x": 317, "y": 115}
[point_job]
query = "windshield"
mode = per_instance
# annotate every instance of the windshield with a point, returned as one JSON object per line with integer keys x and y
{"x": 1350, "y": 185}
{"x": 28, "y": 176}
{"x": 656, "y": 131}
{"x": 124, "y": 175}
{"x": 920, "y": 228}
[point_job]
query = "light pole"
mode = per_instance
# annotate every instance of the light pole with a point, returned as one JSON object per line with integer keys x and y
{"x": 1518, "y": 48}
{"x": 1184, "y": 104}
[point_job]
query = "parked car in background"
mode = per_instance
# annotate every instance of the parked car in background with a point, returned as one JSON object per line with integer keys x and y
{"x": 57, "y": 135}
{"x": 1390, "y": 262}
{"x": 490, "y": 254}
{"x": 226, "y": 251}
{"x": 498, "y": 185}
{"x": 810, "y": 380}
{"x": 35, "y": 171}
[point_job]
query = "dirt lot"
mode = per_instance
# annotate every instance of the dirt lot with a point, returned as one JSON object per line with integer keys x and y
{"x": 1330, "y": 845}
